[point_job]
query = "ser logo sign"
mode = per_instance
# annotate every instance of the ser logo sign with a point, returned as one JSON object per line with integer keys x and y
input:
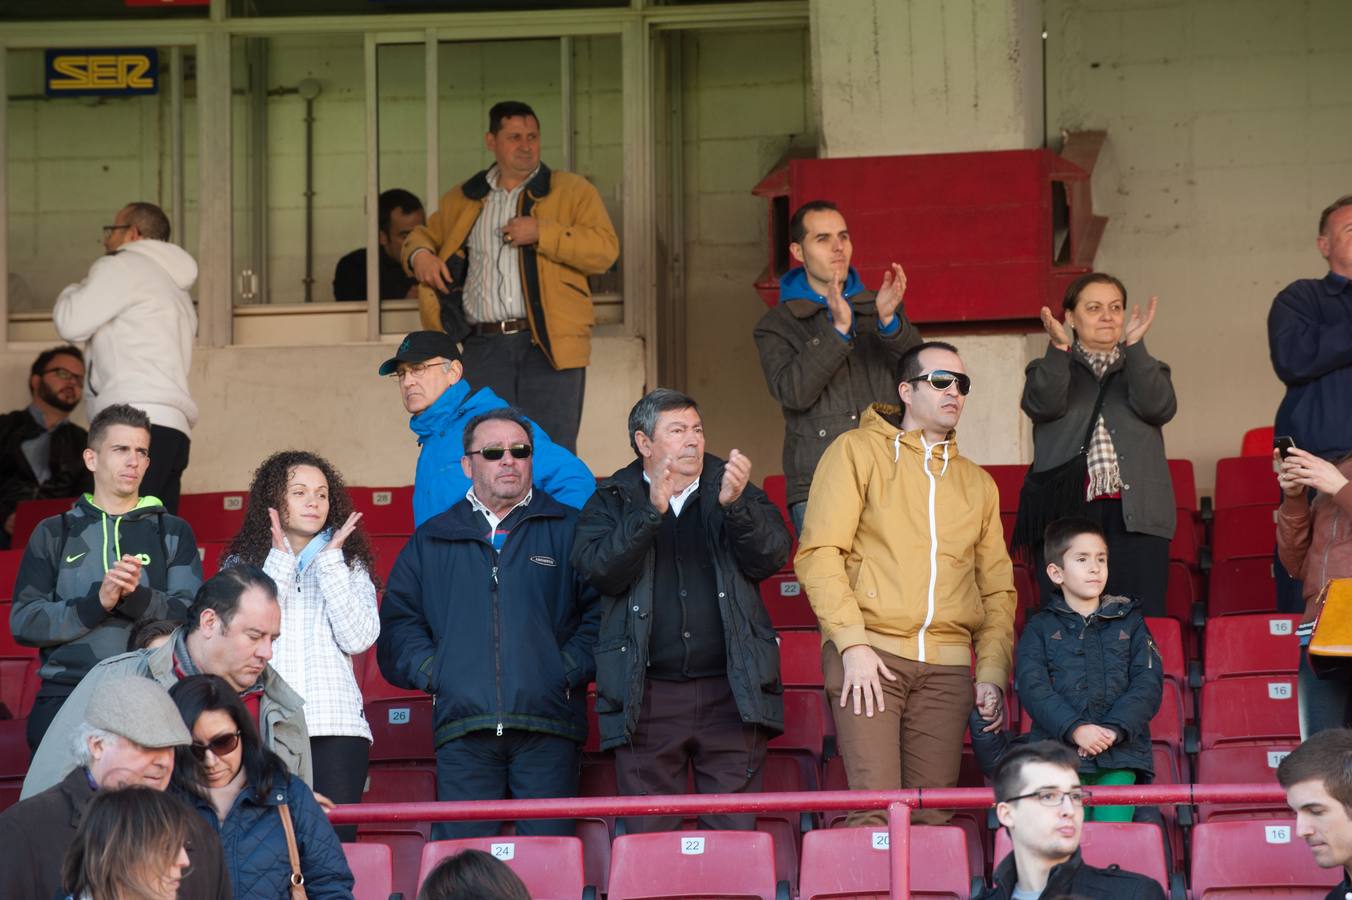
{"x": 107, "y": 71}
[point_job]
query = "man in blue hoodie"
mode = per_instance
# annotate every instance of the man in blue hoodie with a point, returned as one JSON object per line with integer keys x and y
{"x": 431, "y": 378}
{"x": 830, "y": 348}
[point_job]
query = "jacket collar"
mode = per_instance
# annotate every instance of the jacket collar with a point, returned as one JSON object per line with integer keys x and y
{"x": 160, "y": 662}
{"x": 1111, "y": 606}
{"x": 1007, "y": 875}
{"x": 462, "y": 523}
{"x": 477, "y": 187}
{"x": 434, "y": 419}
{"x": 75, "y": 787}
{"x": 630, "y": 478}
{"x": 884, "y": 420}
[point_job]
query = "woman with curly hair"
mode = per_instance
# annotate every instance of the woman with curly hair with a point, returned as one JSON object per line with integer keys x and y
{"x": 299, "y": 527}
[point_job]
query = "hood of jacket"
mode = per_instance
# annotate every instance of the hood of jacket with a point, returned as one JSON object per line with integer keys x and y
{"x": 176, "y": 261}
{"x": 793, "y": 285}
{"x": 456, "y": 405}
{"x": 1111, "y": 606}
{"x": 884, "y": 420}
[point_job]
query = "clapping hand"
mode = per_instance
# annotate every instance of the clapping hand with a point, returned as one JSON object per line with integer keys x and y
{"x": 889, "y": 296}
{"x": 1059, "y": 332}
{"x": 661, "y": 485}
{"x": 343, "y": 533}
{"x": 735, "y": 476}
{"x": 279, "y": 539}
{"x": 842, "y": 314}
{"x": 1138, "y": 325}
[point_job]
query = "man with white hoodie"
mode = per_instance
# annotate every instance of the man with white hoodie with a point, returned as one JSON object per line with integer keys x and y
{"x": 135, "y": 311}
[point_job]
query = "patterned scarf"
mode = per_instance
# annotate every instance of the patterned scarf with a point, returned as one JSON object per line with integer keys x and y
{"x": 1104, "y": 475}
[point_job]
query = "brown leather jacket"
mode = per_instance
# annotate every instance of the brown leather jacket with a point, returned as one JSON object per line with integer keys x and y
{"x": 1314, "y": 540}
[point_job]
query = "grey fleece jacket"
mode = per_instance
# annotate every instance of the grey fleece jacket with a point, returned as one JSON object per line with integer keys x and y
{"x": 56, "y": 602}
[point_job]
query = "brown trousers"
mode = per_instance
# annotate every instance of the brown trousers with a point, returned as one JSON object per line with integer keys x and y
{"x": 915, "y": 742}
{"x": 684, "y": 725}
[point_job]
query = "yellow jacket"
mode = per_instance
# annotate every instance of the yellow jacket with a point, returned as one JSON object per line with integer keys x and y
{"x": 577, "y": 239}
{"x": 907, "y": 557}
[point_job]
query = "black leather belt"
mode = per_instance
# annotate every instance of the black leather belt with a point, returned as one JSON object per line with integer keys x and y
{"x": 507, "y": 326}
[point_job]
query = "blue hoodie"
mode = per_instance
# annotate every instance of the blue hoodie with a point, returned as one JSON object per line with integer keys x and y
{"x": 440, "y": 482}
{"x": 793, "y": 285}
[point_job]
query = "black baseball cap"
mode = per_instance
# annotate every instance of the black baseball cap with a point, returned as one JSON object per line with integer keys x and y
{"x": 419, "y": 346}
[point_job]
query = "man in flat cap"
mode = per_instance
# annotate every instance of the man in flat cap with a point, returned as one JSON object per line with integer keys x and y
{"x": 127, "y": 738}
{"x": 431, "y": 376}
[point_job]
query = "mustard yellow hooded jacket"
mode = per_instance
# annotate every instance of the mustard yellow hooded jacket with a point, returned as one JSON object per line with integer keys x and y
{"x": 902, "y": 549}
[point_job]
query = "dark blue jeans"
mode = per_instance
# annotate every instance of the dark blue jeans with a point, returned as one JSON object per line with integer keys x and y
{"x": 517, "y": 766}
{"x": 1323, "y": 704}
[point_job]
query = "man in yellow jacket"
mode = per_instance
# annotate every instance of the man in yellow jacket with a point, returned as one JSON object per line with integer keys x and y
{"x": 904, "y": 561}
{"x": 503, "y": 265}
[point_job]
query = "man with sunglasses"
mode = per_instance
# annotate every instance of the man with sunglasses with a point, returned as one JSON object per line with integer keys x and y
{"x": 126, "y": 738}
{"x": 1040, "y": 802}
{"x": 135, "y": 312}
{"x": 484, "y": 611}
{"x": 430, "y": 373}
{"x": 829, "y": 347}
{"x": 41, "y": 449}
{"x": 904, "y": 562}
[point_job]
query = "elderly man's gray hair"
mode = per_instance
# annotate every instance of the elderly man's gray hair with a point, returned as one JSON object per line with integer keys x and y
{"x": 643, "y": 417}
{"x": 83, "y": 734}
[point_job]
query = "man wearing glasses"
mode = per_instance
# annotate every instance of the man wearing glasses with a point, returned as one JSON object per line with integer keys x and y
{"x": 904, "y": 561}
{"x": 135, "y": 312}
{"x": 484, "y": 611}
{"x": 41, "y": 450}
{"x": 430, "y": 373}
{"x": 1040, "y": 801}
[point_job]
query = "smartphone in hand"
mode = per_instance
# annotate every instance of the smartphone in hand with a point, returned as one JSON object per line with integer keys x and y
{"x": 1284, "y": 444}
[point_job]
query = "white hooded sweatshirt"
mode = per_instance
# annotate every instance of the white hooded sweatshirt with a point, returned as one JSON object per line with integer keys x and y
{"x": 134, "y": 310}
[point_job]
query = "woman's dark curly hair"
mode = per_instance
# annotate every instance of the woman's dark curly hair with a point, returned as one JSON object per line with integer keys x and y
{"x": 268, "y": 489}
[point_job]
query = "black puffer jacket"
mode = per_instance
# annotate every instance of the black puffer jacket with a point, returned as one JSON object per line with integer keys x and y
{"x": 1104, "y": 670}
{"x": 1078, "y": 878}
{"x": 748, "y": 542}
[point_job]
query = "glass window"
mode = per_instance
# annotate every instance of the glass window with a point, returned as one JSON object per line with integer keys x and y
{"x": 384, "y": 7}
{"x": 74, "y": 162}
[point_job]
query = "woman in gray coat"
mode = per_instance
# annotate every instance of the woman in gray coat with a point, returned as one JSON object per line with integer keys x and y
{"x": 1128, "y": 487}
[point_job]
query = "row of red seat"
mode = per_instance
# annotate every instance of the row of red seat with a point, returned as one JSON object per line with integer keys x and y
{"x": 1238, "y": 859}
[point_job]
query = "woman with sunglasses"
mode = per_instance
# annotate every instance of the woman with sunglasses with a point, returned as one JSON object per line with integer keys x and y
{"x": 1098, "y": 392}
{"x": 299, "y": 527}
{"x": 130, "y": 845}
{"x": 246, "y": 793}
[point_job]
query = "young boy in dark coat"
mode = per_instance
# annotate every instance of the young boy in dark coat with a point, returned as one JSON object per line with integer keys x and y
{"x": 1087, "y": 670}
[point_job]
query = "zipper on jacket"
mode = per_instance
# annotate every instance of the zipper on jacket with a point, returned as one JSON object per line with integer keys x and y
{"x": 928, "y": 448}
{"x": 497, "y": 642}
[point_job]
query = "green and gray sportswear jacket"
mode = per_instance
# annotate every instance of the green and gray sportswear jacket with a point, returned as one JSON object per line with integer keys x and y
{"x": 56, "y": 598}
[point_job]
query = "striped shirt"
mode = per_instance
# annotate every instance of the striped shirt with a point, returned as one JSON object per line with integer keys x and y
{"x": 493, "y": 285}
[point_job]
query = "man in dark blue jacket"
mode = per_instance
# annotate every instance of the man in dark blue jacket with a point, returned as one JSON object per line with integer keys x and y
{"x": 432, "y": 384}
{"x": 484, "y": 611}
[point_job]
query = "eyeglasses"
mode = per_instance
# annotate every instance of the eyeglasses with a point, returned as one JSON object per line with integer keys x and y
{"x": 1053, "y": 796}
{"x": 942, "y": 380}
{"x": 65, "y": 375}
{"x": 220, "y": 745}
{"x": 493, "y": 454}
{"x": 414, "y": 369}
{"x": 109, "y": 229}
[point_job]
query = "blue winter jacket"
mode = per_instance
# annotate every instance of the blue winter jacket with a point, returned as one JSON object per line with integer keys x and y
{"x": 440, "y": 481}
{"x": 1104, "y": 670}
{"x": 500, "y": 639}
{"x": 255, "y": 844}
{"x": 1310, "y": 340}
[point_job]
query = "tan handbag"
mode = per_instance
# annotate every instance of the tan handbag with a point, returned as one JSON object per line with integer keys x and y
{"x": 297, "y": 878}
{"x": 1330, "y": 649}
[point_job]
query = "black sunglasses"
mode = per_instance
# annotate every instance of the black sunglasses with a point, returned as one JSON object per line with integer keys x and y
{"x": 220, "y": 745}
{"x": 493, "y": 454}
{"x": 942, "y": 380}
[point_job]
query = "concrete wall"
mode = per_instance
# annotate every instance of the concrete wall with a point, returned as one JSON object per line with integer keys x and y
{"x": 1229, "y": 128}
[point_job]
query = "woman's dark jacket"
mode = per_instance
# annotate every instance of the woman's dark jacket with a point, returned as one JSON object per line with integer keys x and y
{"x": 501, "y": 639}
{"x": 1058, "y": 395}
{"x": 614, "y": 549}
{"x": 255, "y": 844}
{"x": 1104, "y": 670}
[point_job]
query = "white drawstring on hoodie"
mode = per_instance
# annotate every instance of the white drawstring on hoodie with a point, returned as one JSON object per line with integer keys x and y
{"x": 933, "y": 525}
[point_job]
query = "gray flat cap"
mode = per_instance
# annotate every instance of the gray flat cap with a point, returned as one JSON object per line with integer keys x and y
{"x": 139, "y": 710}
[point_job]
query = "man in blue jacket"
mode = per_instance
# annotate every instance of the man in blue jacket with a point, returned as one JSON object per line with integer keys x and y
{"x": 432, "y": 384}
{"x": 484, "y": 611}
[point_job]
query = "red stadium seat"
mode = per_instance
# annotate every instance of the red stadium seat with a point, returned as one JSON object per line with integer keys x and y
{"x": 1245, "y": 481}
{"x": 1168, "y": 637}
{"x": 386, "y": 550}
{"x": 786, "y": 601}
{"x": 1135, "y": 846}
{"x": 550, "y": 867}
{"x": 806, "y": 722}
{"x": 1027, "y": 598}
{"x": 214, "y": 517}
{"x": 9, "y": 572}
{"x": 1257, "y": 442}
{"x": 373, "y": 870}
{"x": 1244, "y": 531}
{"x": 1262, "y": 644}
{"x": 211, "y": 555}
{"x": 1009, "y": 481}
{"x": 800, "y": 659}
{"x": 1185, "y": 484}
{"x": 400, "y": 720}
{"x": 1242, "y": 586}
{"x": 1256, "y": 859}
{"x": 1166, "y": 729}
{"x": 777, "y": 489}
{"x": 29, "y": 513}
{"x": 14, "y": 759}
{"x": 1255, "y": 709}
{"x": 724, "y": 864}
{"x": 405, "y": 843}
{"x": 853, "y": 862}
{"x": 385, "y": 511}
{"x": 1242, "y": 765}
{"x": 408, "y": 783}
